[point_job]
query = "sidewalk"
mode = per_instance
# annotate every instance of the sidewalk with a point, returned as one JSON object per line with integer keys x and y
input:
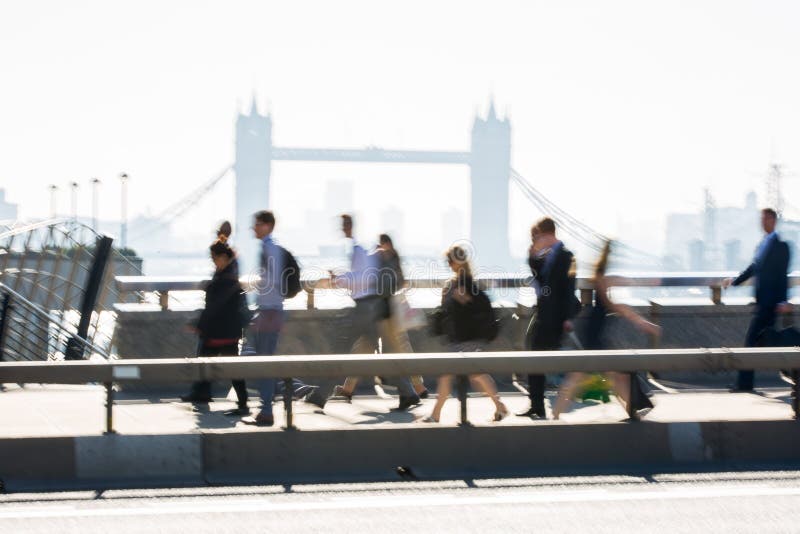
{"x": 61, "y": 410}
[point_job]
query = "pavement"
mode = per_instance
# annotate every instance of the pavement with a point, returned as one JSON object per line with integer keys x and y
{"x": 674, "y": 503}
{"x": 60, "y": 410}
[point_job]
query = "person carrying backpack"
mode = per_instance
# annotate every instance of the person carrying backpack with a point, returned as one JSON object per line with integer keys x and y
{"x": 467, "y": 319}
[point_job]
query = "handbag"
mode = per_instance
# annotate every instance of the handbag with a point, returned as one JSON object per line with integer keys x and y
{"x": 408, "y": 318}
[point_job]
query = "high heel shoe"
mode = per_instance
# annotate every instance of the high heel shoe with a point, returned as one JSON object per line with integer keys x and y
{"x": 500, "y": 414}
{"x": 428, "y": 419}
{"x": 339, "y": 391}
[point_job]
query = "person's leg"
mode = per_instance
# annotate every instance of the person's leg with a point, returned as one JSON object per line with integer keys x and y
{"x": 396, "y": 341}
{"x": 266, "y": 343}
{"x": 408, "y": 394}
{"x": 486, "y": 384}
{"x": 200, "y": 390}
{"x": 763, "y": 318}
{"x": 567, "y": 392}
{"x": 443, "y": 389}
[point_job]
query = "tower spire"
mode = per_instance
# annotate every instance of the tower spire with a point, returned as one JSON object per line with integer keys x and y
{"x": 254, "y": 106}
{"x": 492, "y": 114}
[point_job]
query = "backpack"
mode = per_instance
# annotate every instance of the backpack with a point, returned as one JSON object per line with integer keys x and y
{"x": 387, "y": 277}
{"x": 290, "y": 277}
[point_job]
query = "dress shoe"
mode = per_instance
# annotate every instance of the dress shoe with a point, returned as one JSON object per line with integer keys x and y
{"x": 242, "y": 410}
{"x": 259, "y": 420}
{"x": 195, "y": 398}
{"x": 406, "y": 403}
{"x": 530, "y": 412}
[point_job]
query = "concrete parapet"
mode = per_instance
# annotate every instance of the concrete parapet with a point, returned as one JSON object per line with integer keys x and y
{"x": 431, "y": 452}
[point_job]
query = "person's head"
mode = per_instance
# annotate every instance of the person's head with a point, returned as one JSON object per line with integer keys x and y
{"x": 386, "y": 242}
{"x": 769, "y": 219}
{"x": 458, "y": 260}
{"x": 545, "y": 227}
{"x": 221, "y": 253}
{"x": 263, "y": 223}
{"x": 347, "y": 225}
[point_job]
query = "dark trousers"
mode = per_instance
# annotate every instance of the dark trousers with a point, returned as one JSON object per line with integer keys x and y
{"x": 202, "y": 389}
{"x": 764, "y": 317}
{"x": 540, "y": 337}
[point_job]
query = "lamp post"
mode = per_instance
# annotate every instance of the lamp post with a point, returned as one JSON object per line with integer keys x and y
{"x": 53, "y": 190}
{"x": 123, "y": 231}
{"x": 74, "y": 200}
{"x": 95, "y": 190}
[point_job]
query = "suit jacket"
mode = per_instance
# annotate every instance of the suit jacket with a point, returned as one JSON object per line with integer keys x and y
{"x": 771, "y": 282}
{"x": 556, "y": 302}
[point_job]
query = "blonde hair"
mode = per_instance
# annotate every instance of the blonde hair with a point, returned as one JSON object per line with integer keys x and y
{"x": 458, "y": 255}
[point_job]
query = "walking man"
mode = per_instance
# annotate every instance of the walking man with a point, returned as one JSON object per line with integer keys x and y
{"x": 367, "y": 284}
{"x": 553, "y": 269}
{"x": 769, "y": 268}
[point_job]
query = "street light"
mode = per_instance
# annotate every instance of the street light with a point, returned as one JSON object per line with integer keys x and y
{"x": 53, "y": 190}
{"x": 74, "y": 200}
{"x": 123, "y": 231}
{"x": 95, "y": 190}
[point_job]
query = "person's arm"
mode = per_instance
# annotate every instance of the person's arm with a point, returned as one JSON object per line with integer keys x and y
{"x": 624, "y": 311}
{"x": 743, "y": 277}
{"x": 783, "y": 288}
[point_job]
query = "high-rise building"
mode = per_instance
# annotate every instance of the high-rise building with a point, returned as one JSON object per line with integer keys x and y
{"x": 8, "y": 211}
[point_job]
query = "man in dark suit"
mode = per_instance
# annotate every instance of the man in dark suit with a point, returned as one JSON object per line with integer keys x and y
{"x": 769, "y": 268}
{"x": 553, "y": 269}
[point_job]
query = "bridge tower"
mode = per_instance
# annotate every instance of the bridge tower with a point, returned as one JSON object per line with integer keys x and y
{"x": 490, "y": 172}
{"x": 252, "y": 168}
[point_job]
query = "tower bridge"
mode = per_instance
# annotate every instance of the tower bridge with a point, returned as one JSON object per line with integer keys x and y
{"x": 489, "y": 160}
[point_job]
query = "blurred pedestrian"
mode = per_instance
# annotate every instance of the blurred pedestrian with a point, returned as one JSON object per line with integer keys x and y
{"x": 594, "y": 339}
{"x": 553, "y": 269}
{"x": 769, "y": 268}
{"x": 468, "y": 320}
{"x": 369, "y": 282}
{"x": 220, "y": 324}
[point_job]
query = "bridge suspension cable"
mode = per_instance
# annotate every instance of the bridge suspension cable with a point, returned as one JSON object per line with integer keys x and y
{"x": 576, "y": 228}
{"x": 178, "y": 208}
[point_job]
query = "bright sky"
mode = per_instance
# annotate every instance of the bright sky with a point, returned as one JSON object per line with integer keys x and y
{"x": 621, "y": 111}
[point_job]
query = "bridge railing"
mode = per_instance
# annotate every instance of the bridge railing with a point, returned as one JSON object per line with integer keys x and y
{"x": 174, "y": 370}
{"x": 163, "y": 285}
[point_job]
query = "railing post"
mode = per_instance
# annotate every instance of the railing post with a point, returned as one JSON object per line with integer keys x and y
{"x": 796, "y": 393}
{"x": 587, "y": 296}
{"x": 463, "y": 384}
{"x": 109, "y": 408}
{"x": 4, "y": 320}
{"x": 287, "y": 403}
{"x": 633, "y": 397}
{"x": 310, "y": 298}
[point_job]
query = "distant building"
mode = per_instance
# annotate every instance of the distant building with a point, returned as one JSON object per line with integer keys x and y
{"x": 8, "y": 211}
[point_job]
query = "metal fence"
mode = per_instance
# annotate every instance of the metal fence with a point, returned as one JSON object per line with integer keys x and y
{"x": 56, "y": 283}
{"x": 175, "y": 370}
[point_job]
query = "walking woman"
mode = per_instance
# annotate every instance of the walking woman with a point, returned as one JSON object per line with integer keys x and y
{"x": 467, "y": 319}
{"x": 220, "y": 324}
{"x": 594, "y": 339}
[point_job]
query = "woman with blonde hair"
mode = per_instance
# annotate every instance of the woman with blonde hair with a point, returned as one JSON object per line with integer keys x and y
{"x": 468, "y": 321}
{"x": 593, "y": 337}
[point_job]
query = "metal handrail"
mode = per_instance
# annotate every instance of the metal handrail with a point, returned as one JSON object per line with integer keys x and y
{"x": 462, "y": 364}
{"x": 712, "y": 280}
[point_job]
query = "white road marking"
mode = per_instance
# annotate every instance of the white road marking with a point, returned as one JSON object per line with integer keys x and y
{"x": 401, "y": 501}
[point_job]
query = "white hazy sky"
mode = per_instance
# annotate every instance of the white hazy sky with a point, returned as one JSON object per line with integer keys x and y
{"x": 621, "y": 111}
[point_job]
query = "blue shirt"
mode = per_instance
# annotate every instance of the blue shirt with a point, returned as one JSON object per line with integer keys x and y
{"x": 271, "y": 267}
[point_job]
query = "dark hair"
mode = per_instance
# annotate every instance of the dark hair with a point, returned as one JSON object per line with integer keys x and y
{"x": 265, "y": 217}
{"x": 221, "y": 247}
{"x": 224, "y": 230}
{"x": 384, "y": 238}
{"x": 771, "y": 212}
{"x": 546, "y": 225}
{"x": 347, "y": 219}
